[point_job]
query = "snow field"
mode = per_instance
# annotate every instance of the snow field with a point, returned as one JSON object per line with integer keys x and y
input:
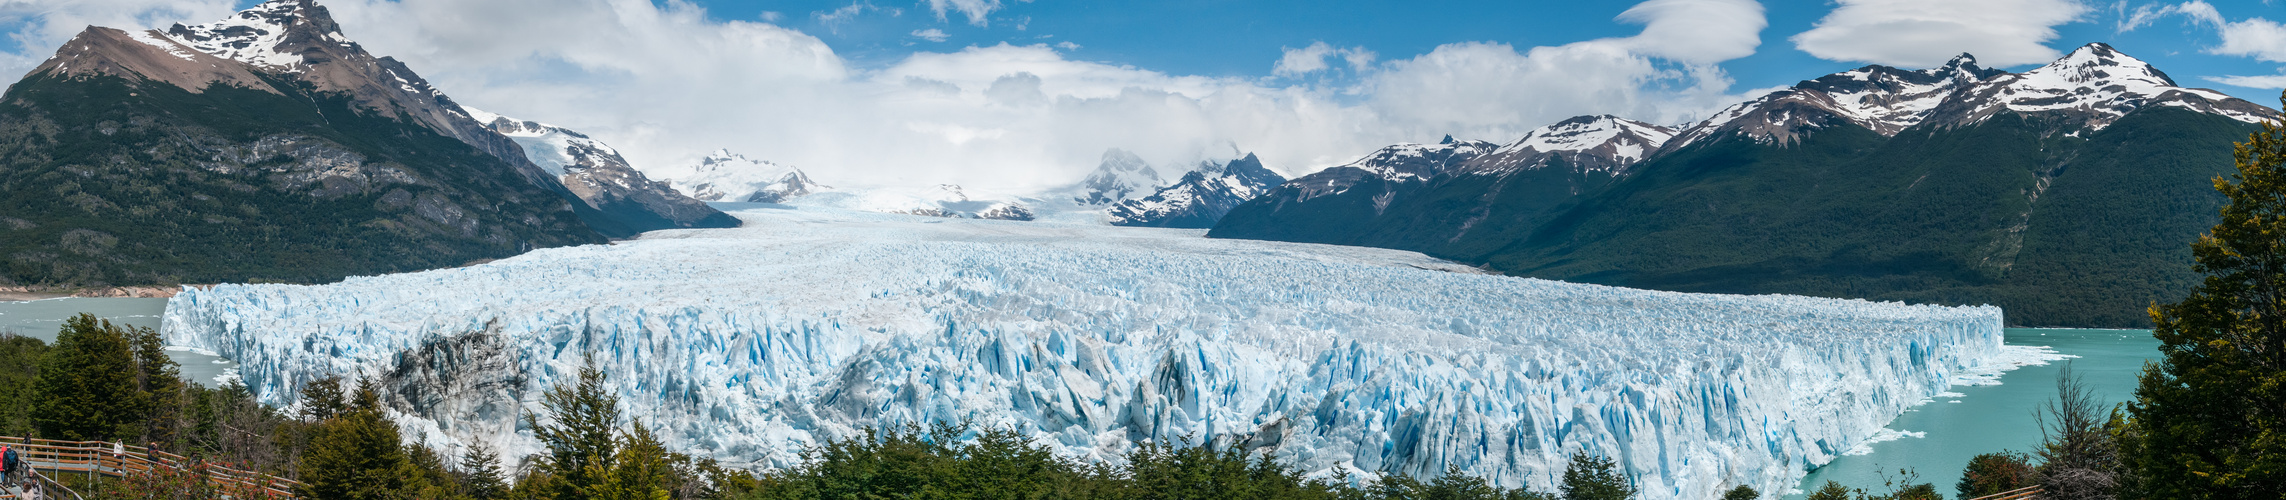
{"x": 807, "y": 324}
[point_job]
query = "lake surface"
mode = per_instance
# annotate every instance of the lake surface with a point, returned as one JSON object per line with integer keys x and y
{"x": 1943, "y": 435}
{"x": 42, "y": 318}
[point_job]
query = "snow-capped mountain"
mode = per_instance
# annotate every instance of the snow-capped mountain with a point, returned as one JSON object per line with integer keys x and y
{"x": 943, "y": 200}
{"x": 1201, "y": 197}
{"x": 300, "y": 38}
{"x": 1393, "y": 166}
{"x": 602, "y": 178}
{"x": 2093, "y": 86}
{"x": 1884, "y": 99}
{"x": 1122, "y": 176}
{"x": 1092, "y": 340}
{"x": 1586, "y": 143}
{"x": 726, "y": 176}
{"x": 2087, "y": 89}
{"x": 1876, "y": 182}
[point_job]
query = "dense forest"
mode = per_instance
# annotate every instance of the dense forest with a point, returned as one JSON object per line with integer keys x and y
{"x": 110, "y": 182}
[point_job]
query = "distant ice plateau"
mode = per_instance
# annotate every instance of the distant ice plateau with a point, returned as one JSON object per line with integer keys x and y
{"x": 807, "y": 323}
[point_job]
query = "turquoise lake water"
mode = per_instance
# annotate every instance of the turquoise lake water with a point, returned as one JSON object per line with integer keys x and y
{"x": 1986, "y": 419}
{"x": 42, "y": 318}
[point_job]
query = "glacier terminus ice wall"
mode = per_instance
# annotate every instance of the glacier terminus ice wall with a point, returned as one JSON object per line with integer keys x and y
{"x": 749, "y": 344}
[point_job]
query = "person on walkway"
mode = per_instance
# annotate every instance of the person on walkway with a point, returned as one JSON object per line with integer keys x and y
{"x": 32, "y": 491}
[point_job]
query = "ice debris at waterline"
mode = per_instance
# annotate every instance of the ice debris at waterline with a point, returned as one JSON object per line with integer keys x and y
{"x": 748, "y": 344}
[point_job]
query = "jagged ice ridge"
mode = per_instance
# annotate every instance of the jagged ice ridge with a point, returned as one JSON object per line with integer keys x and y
{"x": 805, "y": 324}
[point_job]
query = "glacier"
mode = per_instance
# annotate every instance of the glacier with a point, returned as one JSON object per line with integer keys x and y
{"x": 807, "y": 324}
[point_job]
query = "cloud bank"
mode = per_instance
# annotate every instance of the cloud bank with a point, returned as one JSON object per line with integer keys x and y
{"x": 665, "y": 83}
{"x": 1926, "y": 33}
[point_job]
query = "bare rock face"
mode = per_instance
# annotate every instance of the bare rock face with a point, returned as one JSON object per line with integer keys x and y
{"x": 148, "y": 54}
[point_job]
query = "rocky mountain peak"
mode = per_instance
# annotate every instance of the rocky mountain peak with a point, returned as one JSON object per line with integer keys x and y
{"x": 146, "y": 55}
{"x": 1201, "y": 197}
{"x": 727, "y": 176}
{"x": 1586, "y": 143}
{"x": 1121, "y": 176}
{"x": 2091, "y": 87}
{"x": 275, "y": 36}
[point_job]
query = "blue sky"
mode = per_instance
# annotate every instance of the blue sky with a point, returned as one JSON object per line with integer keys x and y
{"x": 1020, "y": 95}
{"x": 1244, "y": 39}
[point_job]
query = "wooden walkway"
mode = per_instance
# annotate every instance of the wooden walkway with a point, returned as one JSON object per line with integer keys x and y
{"x": 2024, "y": 493}
{"x": 103, "y": 461}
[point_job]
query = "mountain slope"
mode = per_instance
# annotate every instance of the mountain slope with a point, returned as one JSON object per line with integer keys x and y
{"x": 1455, "y": 193}
{"x": 1200, "y": 198}
{"x": 135, "y": 158}
{"x": 2064, "y": 194}
{"x": 593, "y": 171}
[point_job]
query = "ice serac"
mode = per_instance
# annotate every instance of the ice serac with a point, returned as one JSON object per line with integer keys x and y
{"x": 1200, "y": 198}
{"x": 596, "y": 173}
{"x": 808, "y": 324}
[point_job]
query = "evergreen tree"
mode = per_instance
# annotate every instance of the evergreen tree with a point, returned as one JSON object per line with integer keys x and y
{"x": 1591, "y": 477}
{"x": 582, "y": 438}
{"x": 2210, "y": 416}
{"x": 1742, "y": 493}
{"x": 358, "y": 455}
{"x": 642, "y": 470}
{"x": 480, "y": 474}
{"x": 1830, "y": 491}
{"x": 322, "y": 399}
{"x": 160, "y": 385}
{"x": 87, "y": 385}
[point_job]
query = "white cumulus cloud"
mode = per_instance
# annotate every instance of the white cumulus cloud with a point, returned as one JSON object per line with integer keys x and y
{"x": 931, "y": 34}
{"x": 665, "y": 84}
{"x": 1312, "y": 59}
{"x": 44, "y": 25}
{"x": 1926, "y": 33}
{"x": 978, "y": 11}
{"x": 2258, "y": 38}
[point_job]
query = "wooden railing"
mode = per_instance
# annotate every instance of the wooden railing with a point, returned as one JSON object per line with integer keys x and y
{"x": 97, "y": 460}
{"x": 2024, "y": 493}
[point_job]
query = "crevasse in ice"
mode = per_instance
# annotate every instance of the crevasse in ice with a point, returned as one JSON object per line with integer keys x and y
{"x": 806, "y": 324}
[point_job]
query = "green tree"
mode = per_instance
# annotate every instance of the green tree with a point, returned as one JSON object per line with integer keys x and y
{"x": 322, "y": 399}
{"x": 2211, "y": 414}
{"x": 358, "y": 455}
{"x": 159, "y": 384}
{"x": 87, "y": 385}
{"x": 20, "y": 359}
{"x": 1992, "y": 473}
{"x": 1742, "y": 492}
{"x": 642, "y": 469}
{"x": 1830, "y": 491}
{"x": 480, "y": 474}
{"x": 1592, "y": 477}
{"x": 582, "y": 436}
